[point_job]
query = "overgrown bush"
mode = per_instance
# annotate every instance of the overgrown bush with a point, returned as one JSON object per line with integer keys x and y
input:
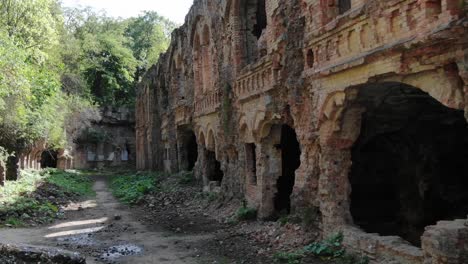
{"x": 130, "y": 188}
{"x": 246, "y": 213}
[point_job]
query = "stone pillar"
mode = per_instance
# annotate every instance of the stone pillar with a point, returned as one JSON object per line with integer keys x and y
{"x": 2, "y": 174}
{"x": 446, "y": 242}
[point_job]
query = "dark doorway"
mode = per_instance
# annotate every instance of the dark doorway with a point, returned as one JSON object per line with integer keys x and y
{"x": 290, "y": 162}
{"x": 213, "y": 167}
{"x": 49, "y": 159}
{"x": 260, "y": 19}
{"x": 410, "y": 166}
{"x": 192, "y": 150}
{"x": 344, "y": 5}
{"x": 187, "y": 150}
{"x": 251, "y": 163}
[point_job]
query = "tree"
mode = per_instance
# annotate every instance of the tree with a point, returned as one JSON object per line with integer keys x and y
{"x": 32, "y": 24}
{"x": 149, "y": 36}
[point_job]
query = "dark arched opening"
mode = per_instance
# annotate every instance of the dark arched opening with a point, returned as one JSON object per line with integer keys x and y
{"x": 290, "y": 162}
{"x": 192, "y": 151}
{"x": 215, "y": 174}
{"x": 260, "y": 19}
{"x": 409, "y": 164}
{"x": 254, "y": 20}
{"x": 187, "y": 148}
{"x": 49, "y": 159}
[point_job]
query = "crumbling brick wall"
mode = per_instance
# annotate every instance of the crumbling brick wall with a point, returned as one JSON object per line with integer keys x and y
{"x": 112, "y": 145}
{"x": 239, "y": 73}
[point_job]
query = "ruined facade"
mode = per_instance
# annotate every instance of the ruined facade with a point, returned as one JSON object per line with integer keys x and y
{"x": 355, "y": 110}
{"x": 110, "y": 142}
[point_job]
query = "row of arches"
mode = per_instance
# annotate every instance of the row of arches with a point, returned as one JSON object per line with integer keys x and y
{"x": 400, "y": 154}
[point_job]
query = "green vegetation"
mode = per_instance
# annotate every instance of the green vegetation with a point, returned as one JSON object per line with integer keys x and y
{"x": 58, "y": 65}
{"x": 289, "y": 258}
{"x": 105, "y": 57}
{"x": 246, "y": 213}
{"x": 71, "y": 182}
{"x": 208, "y": 196}
{"x": 330, "y": 249}
{"x": 38, "y": 195}
{"x": 186, "y": 177}
{"x": 131, "y": 187}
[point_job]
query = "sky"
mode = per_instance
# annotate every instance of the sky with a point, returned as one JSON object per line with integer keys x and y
{"x": 175, "y": 10}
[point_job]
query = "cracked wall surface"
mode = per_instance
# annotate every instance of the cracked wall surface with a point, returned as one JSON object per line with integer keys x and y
{"x": 239, "y": 72}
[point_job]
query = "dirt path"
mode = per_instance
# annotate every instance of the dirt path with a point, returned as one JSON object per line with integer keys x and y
{"x": 106, "y": 231}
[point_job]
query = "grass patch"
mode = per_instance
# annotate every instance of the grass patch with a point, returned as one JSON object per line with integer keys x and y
{"x": 330, "y": 249}
{"x": 131, "y": 187}
{"x": 36, "y": 196}
{"x": 288, "y": 257}
{"x": 72, "y": 182}
{"x": 186, "y": 177}
{"x": 246, "y": 213}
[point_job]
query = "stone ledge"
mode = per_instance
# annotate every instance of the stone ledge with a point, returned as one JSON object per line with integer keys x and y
{"x": 17, "y": 254}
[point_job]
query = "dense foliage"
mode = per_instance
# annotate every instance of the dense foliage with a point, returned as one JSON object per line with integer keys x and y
{"x": 131, "y": 187}
{"x": 58, "y": 65}
{"x": 106, "y": 56}
{"x": 27, "y": 201}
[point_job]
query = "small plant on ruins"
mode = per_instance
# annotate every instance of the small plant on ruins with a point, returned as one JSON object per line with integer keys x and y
{"x": 283, "y": 219}
{"x": 332, "y": 249}
{"x": 246, "y": 213}
{"x": 186, "y": 177}
{"x": 208, "y": 196}
{"x": 288, "y": 257}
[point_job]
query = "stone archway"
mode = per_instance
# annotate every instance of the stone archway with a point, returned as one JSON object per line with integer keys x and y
{"x": 49, "y": 159}
{"x": 188, "y": 149}
{"x": 393, "y": 161}
{"x": 290, "y": 162}
{"x": 409, "y": 166}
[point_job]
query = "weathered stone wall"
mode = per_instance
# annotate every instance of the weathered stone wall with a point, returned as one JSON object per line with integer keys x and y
{"x": 111, "y": 143}
{"x": 239, "y": 73}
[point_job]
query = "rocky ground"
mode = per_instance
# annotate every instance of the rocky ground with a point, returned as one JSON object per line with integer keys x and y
{"x": 175, "y": 224}
{"x": 184, "y": 209}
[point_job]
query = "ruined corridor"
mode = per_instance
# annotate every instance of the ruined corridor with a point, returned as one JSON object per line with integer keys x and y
{"x": 353, "y": 110}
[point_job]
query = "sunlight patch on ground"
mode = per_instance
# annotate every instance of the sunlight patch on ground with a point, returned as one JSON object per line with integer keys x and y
{"x": 74, "y": 232}
{"x": 81, "y": 205}
{"x": 80, "y": 223}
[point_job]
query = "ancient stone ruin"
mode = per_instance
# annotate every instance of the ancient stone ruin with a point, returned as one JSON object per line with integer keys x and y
{"x": 355, "y": 110}
{"x": 110, "y": 142}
